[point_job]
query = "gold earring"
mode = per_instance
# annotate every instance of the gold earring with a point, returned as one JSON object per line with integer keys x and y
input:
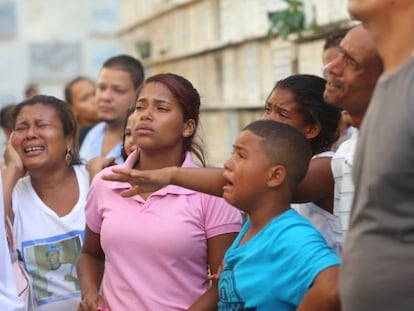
{"x": 68, "y": 156}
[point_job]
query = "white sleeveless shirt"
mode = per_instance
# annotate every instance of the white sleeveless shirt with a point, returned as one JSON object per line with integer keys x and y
{"x": 324, "y": 221}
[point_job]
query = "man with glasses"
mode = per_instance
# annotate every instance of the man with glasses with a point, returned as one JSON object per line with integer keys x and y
{"x": 351, "y": 78}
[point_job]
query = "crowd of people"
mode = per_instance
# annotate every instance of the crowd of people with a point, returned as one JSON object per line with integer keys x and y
{"x": 109, "y": 203}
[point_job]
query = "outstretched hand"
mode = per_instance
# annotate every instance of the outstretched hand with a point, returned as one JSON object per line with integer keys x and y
{"x": 140, "y": 181}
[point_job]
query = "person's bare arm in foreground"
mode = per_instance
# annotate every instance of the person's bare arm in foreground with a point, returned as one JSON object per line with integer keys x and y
{"x": 206, "y": 180}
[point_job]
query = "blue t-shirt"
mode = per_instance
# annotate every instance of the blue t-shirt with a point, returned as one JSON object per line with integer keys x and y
{"x": 93, "y": 142}
{"x": 276, "y": 267}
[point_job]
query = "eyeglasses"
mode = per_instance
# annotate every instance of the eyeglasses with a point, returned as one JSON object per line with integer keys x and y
{"x": 344, "y": 60}
{"x": 325, "y": 70}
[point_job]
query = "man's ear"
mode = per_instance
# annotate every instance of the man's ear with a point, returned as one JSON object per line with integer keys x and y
{"x": 277, "y": 176}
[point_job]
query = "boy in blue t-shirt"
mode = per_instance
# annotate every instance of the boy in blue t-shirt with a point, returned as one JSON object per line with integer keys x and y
{"x": 279, "y": 261}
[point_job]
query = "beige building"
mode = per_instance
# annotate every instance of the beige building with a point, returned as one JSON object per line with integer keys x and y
{"x": 223, "y": 47}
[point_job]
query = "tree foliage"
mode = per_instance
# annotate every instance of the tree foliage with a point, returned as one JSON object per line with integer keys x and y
{"x": 289, "y": 20}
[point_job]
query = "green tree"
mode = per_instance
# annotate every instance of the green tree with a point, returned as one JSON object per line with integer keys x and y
{"x": 289, "y": 20}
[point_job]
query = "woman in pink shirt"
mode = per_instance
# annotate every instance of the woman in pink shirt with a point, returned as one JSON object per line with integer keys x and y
{"x": 152, "y": 251}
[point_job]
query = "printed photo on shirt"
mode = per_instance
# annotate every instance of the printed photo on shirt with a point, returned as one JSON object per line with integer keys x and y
{"x": 52, "y": 264}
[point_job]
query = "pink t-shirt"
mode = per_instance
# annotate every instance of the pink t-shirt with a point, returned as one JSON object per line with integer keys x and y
{"x": 155, "y": 249}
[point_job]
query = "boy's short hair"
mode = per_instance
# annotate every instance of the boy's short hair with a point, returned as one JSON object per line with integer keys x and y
{"x": 284, "y": 145}
{"x": 129, "y": 64}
